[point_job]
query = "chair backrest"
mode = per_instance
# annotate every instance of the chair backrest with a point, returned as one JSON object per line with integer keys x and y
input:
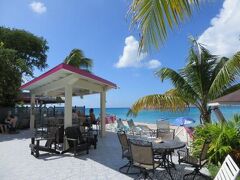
{"x": 60, "y": 134}
{"x": 123, "y": 140}
{"x": 163, "y": 124}
{"x": 120, "y": 124}
{"x": 228, "y": 171}
{"x": 142, "y": 153}
{"x": 166, "y": 134}
{"x": 131, "y": 123}
{"x": 72, "y": 133}
{"x": 51, "y": 134}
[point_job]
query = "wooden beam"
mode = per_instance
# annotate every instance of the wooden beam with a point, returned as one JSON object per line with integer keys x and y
{"x": 84, "y": 84}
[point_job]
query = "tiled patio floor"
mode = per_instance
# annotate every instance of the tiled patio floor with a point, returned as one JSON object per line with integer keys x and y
{"x": 102, "y": 163}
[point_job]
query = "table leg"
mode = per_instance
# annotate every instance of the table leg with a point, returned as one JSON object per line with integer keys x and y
{"x": 166, "y": 164}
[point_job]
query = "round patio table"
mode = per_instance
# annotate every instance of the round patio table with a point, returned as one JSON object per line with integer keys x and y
{"x": 163, "y": 148}
{"x": 168, "y": 145}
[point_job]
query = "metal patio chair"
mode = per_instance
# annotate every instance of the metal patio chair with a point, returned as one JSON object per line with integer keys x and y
{"x": 196, "y": 162}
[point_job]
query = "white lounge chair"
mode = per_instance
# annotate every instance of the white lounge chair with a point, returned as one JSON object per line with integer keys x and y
{"x": 228, "y": 171}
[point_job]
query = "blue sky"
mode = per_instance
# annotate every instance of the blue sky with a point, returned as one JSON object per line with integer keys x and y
{"x": 100, "y": 28}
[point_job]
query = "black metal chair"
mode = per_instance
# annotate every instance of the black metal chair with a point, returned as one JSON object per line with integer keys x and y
{"x": 143, "y": 157}
{"x": 54, "y": 138}
{"x": 196, "y": 162}
{"x": 125, "y": 151}
{"x": 76, "y": 141}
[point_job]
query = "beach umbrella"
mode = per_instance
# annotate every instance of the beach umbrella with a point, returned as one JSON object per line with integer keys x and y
{"x": 181, "y": 121}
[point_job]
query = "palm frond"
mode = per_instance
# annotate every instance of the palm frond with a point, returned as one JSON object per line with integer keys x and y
{"x": 226, "y": 76}
{"x": 155, "y": 17}
{"x": 77, "y": 59}
{"x": 178, "y": 81}
{"x": 158, "y": 101}
{"x": 230, "y": 90}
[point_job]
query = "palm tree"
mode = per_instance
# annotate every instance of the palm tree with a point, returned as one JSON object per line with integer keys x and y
{"x": 204, "y": 78}
{"x": 155, "y": 17}
{"x": 77, "y": 59}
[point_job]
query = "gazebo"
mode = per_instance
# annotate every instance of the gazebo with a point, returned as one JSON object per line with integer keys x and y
{"x": 67, "y": 81}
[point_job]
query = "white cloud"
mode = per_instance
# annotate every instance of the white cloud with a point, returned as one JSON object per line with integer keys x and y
{"x": 38, "y": 7}
{"x": 153, "y": 64}
{"x": 223, "y": 36}
{"x": 132, "y": 58}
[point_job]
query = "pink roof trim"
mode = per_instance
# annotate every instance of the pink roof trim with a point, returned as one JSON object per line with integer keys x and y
{"x": 72, "y": 69}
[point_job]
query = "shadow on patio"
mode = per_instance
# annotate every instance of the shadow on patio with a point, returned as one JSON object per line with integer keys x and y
{"x": 108, "y": 154}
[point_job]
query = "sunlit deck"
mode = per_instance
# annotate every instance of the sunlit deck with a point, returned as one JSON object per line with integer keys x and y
{"x": 102, "y": 163}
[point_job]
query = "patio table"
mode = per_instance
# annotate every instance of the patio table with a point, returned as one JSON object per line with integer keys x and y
{"x": 164, "y": 148}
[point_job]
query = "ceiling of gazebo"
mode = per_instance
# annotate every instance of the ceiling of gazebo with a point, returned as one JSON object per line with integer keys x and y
{"x": 25, "y": 98}
{"x": 54, "y": 81}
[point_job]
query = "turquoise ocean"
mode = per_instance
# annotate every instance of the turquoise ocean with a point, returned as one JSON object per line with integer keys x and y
{"x": 150, "y": 116}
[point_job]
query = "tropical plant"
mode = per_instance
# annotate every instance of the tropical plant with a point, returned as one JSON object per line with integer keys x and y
{"x": 30, "y": 48}
{"x": 11, "y": 70}
{"x": 155, "y": 17}
{"x": 20, "y": 53}
{"x": 204, "y": 78}
{"x": 224, "y": 138}
{"x": 77, "y": 59}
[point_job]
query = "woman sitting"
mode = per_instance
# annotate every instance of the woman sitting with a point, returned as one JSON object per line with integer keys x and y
{"x": 92, "y": 117}
{"x": 11, "y": 121}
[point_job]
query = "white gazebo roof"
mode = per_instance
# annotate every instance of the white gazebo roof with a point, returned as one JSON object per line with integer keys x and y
{"x": 52, "y": 82}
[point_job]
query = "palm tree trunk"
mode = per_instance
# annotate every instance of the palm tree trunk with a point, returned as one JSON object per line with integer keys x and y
{"x": 205, "y": 115}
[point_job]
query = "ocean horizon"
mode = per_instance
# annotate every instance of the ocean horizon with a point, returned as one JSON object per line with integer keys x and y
{"x": 151, "y": 116}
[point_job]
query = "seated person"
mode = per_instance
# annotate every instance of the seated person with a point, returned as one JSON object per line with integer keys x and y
{"x": 2, "y": 126}
{"x": 75, "y": 118}
{"x": 79, "y": 114}
{"x": 74, "y": 114}
{"x": 11, "y": 121}
{"x": 92, "y": 117}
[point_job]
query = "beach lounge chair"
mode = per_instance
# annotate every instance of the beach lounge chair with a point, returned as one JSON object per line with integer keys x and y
{"x": 121, "y": 126}
{"x": 143, "y": 158}
{"x": 139, "y": 129}
{"x": 228, "y": 171}
{"x": 164, "y": 131}
{"x": 125, "y": 151}
{"x": 54, "y": 138}
{"x": 197, "y": 163}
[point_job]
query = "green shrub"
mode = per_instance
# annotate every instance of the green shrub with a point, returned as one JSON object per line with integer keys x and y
{"x": 224, "y": 138}
{"x": 213, "y": 169}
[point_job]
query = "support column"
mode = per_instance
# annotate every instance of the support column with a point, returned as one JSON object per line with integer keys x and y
{"x": 32, "y": 112}
{"x": 103, "y": 111}
{"x": 68, "y": 106}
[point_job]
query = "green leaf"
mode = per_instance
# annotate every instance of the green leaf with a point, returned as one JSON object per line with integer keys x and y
{"x": 154, "y": 18}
